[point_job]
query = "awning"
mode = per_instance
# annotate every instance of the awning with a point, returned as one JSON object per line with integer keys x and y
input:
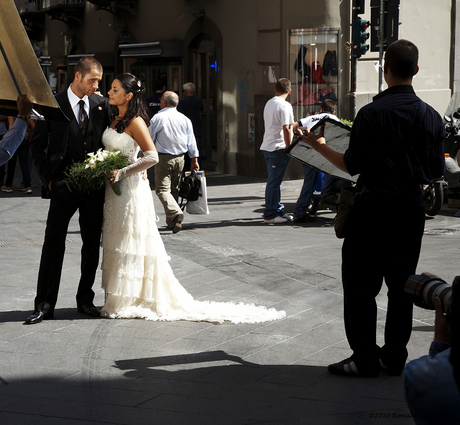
{"x": 164, "y": 49}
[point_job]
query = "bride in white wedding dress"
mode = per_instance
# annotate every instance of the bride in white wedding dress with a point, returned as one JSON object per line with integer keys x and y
{"x": 136, "y": 274}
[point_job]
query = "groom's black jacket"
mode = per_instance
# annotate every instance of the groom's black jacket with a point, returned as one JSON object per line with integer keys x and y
{"x": 56, "y": 144}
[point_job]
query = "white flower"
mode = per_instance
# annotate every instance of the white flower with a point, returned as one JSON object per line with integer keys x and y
{"x": 100, "y": 156}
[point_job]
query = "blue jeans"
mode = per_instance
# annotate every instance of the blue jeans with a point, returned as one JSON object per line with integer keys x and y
{"x": 309, "y": 181}
{"x": 277, "y": 162}
{"x": 306, "y": 193}
{"x": 22, "y": 155}
{"x": 327, "y": 184}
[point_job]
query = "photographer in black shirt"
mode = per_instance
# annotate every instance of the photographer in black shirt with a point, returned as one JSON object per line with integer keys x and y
{"x": 396, "y": 144}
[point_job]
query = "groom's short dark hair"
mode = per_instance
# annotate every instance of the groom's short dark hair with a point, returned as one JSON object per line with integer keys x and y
{"x": 86, "y": 64}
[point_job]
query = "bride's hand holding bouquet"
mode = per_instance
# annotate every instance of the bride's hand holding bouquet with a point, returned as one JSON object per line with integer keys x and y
{"x": 90, "y": 175}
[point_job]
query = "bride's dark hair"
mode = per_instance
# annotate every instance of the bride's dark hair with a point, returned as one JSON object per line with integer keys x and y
{"x": 136, "y": 106}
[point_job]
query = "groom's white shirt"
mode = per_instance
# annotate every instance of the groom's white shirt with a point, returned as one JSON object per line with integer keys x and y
{"x": 74, "y": 103}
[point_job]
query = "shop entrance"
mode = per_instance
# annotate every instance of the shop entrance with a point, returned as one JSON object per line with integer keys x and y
{"x": 205, "y": 77}
{"x": 150, "y": 72}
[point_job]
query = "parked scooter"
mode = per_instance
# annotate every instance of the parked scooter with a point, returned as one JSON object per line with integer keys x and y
{"x": 447, "y": 188}
{"x": 451, "y": 149}
{"x": 433, "y": 196}
{"x": 328, "y": 201}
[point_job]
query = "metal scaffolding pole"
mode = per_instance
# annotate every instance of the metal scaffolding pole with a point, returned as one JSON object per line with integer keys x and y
{"x": 381, "y": 36}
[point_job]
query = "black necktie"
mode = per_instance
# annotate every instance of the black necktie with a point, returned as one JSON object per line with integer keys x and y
{"x": 82, "y": 117}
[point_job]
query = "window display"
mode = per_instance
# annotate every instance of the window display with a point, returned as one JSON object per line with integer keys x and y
{"x": 313, "y": 69}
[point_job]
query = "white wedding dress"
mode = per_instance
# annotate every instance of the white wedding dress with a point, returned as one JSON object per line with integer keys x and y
{"x": 136, "y": 274}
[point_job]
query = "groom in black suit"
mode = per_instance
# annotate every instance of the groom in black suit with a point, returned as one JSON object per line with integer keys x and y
{"x": 55, "y": 146}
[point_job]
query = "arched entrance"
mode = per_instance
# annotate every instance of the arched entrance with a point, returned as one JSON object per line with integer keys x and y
{"x": 204, "y": 74}
{"x": 204, "y": 43}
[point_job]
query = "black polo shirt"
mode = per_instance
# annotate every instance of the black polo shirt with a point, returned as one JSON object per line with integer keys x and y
{"x": 387, "y": 151}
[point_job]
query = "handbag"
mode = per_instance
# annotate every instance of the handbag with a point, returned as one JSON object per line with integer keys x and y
{"x": 189, "y": 188}
{"x": 343, "y": 218}
{"x": 199, "y": 205}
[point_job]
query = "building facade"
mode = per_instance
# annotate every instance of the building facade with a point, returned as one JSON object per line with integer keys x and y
{"x": 234, "y": 51}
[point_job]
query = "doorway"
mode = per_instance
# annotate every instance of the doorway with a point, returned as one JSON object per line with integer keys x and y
{"x": 205, "y": 69}
{"x": 150, "y": 72}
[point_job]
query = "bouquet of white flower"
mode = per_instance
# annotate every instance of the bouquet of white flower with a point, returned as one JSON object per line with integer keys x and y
{"x": 90, "y": 175}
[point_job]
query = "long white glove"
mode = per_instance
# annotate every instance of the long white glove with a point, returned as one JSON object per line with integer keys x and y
{"x": 149, "y": 159}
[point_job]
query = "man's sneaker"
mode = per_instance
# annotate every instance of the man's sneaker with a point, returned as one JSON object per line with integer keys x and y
{"x": 287, "y": 217}
{"x": 348, "y": 367}
{"x": 25, "y": 189}
{"x": 276, "y": 220}
{"x": 7, "y": 189}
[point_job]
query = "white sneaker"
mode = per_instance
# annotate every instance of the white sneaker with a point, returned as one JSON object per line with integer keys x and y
{"x": 27, "y": 189}
{"x": 288, "y": 217}
{"x": 276, "y": 220}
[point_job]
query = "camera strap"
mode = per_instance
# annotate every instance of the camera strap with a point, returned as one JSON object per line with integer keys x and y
{"x": 420, "y": 114}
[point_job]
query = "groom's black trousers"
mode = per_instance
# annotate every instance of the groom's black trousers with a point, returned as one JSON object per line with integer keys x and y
{"x": 61, "y": 211}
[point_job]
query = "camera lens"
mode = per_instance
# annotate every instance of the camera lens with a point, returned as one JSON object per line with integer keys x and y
{"x": 423, "y": 289}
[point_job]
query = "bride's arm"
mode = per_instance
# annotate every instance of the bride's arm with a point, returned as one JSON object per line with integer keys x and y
{"x": 137, "y": 129}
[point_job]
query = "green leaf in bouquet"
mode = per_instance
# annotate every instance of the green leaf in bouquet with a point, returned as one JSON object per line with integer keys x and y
{"x": 116, "y": 188}
{"x": 90, "y": 175}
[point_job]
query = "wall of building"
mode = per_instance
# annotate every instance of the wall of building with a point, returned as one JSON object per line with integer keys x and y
{"x": 254, "y": 51}
{"x": 429, "y": 27}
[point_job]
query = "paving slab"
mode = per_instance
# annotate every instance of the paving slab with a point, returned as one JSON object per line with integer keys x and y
{"x": 79, "y": 371}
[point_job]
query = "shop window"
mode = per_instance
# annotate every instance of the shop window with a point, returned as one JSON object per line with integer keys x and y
{"x": 313, "y": 69}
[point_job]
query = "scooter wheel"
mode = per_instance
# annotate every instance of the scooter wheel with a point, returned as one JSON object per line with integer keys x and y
{"x": 313, "y": 207}
{"x": 434, "y": 198}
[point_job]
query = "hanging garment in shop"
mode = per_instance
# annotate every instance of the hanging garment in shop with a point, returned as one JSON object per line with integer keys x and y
{"x": 330, "y": 63}
{"x": 317, "y": 73}
{"x": 301, "y": 67}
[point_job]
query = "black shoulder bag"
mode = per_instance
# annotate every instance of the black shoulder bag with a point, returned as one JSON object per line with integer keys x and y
{"x": 189, "y": 188}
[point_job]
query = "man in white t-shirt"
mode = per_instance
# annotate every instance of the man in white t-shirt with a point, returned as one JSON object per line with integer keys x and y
{"x": 310, "y": 174}
{"x": 278, "y": 119}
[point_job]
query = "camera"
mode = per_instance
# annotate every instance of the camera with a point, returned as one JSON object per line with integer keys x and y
{"x": 423, "y": 289}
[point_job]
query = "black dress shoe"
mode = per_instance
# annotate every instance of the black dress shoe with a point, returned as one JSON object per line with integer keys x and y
{"x": 89, "y": 310}
{"x": 307, "y": 218}
{"x": 38, "y": 315}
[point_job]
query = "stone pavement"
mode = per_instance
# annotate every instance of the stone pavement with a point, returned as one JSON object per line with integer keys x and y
{"x": 80, "y": 371}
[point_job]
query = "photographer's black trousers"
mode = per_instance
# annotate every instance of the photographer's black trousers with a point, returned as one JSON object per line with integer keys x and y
{"x": 383, "y": 245}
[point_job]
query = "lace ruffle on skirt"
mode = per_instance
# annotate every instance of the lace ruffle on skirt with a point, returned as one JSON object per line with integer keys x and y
{"x": 136, "y": 275}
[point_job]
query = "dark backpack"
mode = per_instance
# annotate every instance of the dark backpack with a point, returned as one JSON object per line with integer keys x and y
{"x": 189, "y": 188}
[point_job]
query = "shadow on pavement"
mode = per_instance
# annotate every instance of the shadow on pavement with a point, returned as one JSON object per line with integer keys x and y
{"x": 205, "y": 388}
{"x": 59, "y": 314}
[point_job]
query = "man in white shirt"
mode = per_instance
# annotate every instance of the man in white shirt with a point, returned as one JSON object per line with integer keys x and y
{"x": 172, "y": 133}
{"x": 310, "y": 174}
{"x": 278, "y": 118}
